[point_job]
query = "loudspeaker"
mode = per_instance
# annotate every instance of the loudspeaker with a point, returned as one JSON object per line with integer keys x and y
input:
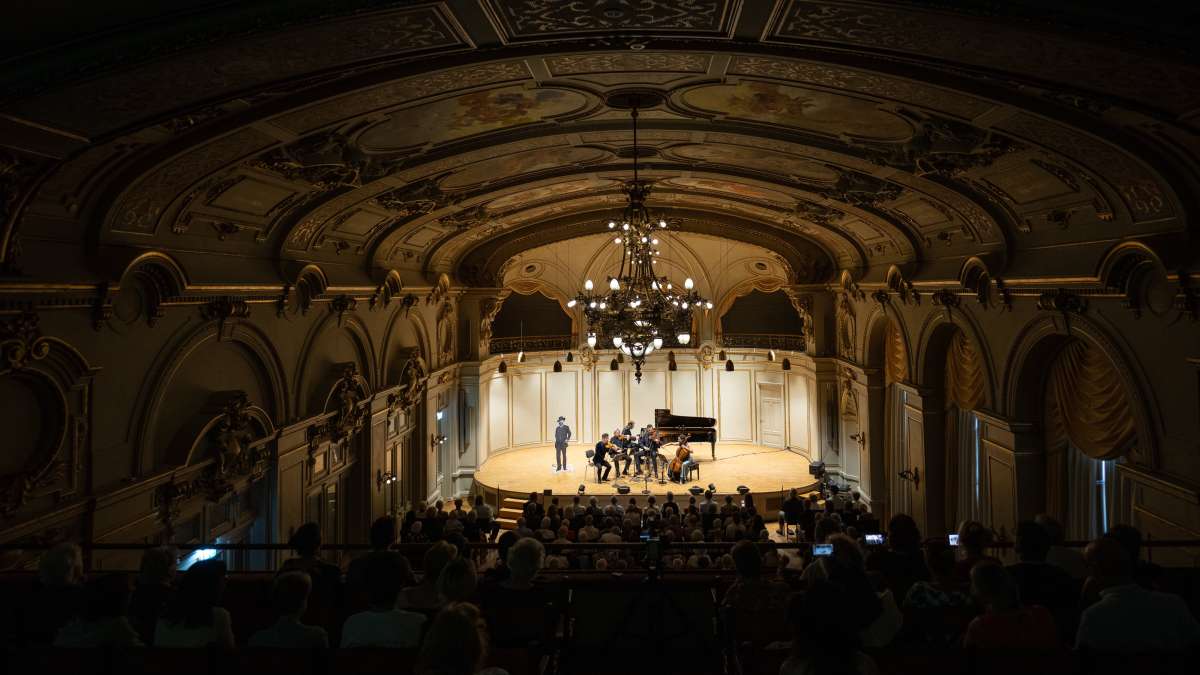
{"x": 816, "y": 469}
{"x": 622, "y": 489}
{"x": 696, "y": 490}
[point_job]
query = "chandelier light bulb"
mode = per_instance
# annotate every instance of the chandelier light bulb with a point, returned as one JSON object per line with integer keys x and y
{"x": 658, "y": 343}
{"x": 643, "y": 240}
{"x": 625, "y": 226}
{"x": 591, "y": 340}
{"x": 655, "y": 242}
{"x": 688, "y": 283}
{"x": 611, "y": 224}
{"x": 654, "y": 285}
{"x": 617, "y": 240}
{"x": 708, "y": 305}
{"x": 683, "y": 338}
{"x": 617, "y": 341}
{"x": 588, "y": 285}
{"x": 662, "y": 223}
{"x": 685, "y": 305}
{"x": 592, "y": 304}
{"x": 571, "y": 303}
{"x": 614, "y": 284}
{"x": 668, "y": 285}
{"x": 604, "y": 305}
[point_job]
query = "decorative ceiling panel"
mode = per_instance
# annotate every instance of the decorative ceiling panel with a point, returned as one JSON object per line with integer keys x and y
{"x": 101, "y": 104}
{"x": 989, "y": 44}
{"x": 539, "y": 20}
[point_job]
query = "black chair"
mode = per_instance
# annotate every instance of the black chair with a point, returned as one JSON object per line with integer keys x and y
{"x": 591, "y": 461}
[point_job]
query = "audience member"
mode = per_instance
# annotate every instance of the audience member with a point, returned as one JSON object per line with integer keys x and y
{"x": 973, "y": 542}
{"x": 155, "y": 583}
{"x": 103, "y": 623}
{"x": 1144, "y": 572}
{"x": 824, "y": 640}
{"x": 193, "y": 618}
{"x": 457, "y": 643}
{"x": 1070, "y": 560}
{"x": 383, "y": 624}
{"x": 901, "y": 563}
{"x": 457, "y": 581}
{"x": 289, "y": 596}
{"x": 58, "y": 595}
{"x": 425, "y": 594}
{"x": 1041, "y": 583}
{"x": 1128, "y": 617}
{"x": 306, "y": 542}
{"x": 382, "y": 536}
{"x": 1005, "y": 623}
{"x": 943, "y": 589}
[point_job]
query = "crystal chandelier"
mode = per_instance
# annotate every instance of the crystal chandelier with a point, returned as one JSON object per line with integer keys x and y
{"x": 640, "y": 307}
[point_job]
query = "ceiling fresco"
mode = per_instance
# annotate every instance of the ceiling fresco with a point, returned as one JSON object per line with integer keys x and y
{"x": 439, "y": 140}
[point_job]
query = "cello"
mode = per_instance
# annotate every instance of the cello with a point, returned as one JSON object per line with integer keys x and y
{"x": 682, "y": 454}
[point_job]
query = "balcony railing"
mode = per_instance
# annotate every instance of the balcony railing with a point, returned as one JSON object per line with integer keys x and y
{"x": 791, "y": 342}
{"x": 530, "y": 343}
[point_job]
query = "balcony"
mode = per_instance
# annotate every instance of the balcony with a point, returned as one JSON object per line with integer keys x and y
{"x": 530, "y": 343}
{"x": 791, "y": 342}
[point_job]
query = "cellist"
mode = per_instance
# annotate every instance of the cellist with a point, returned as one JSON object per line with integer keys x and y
{"x": 683, "y": 460}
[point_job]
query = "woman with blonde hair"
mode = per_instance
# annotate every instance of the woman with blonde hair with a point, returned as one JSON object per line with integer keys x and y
{"x": 456, "y": 643}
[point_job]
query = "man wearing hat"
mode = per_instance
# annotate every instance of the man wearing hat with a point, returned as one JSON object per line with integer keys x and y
{"x": 561, "y": 435}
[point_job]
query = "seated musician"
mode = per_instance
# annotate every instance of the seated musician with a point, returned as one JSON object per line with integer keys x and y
{"x": 602, "y": 449}
{"x": 649, "y": 442}
{"x": 621, "y": 452}
{"x": 683, "y": 460}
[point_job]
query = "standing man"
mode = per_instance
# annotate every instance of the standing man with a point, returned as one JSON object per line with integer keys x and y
{"x": 562, "y": 434}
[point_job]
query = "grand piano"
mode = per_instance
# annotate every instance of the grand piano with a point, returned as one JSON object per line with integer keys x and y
{"x": 671, "y": 427}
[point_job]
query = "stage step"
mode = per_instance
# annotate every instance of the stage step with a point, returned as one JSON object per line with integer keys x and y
{"x": 507, "y": 523}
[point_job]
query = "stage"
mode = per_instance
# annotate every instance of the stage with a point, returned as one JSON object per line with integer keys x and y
{"x": 766, "y": 471}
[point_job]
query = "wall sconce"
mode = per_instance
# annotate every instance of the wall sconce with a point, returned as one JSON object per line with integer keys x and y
{"x": 787, "y": 364}
{"x": 729, "y": 365}
{"x": 503, "y": 367}
{"x": 557, "y": 367}
{"x": 913, "y": 474}
{"x": 437, "y": 439}
{"x": 383, "y": 478}
{"x": 771, "y": 355}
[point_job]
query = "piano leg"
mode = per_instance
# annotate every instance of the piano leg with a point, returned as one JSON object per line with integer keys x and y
{"x": 714, "y": 449}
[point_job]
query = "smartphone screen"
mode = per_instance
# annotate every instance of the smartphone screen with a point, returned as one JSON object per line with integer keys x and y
{"x": 874, "y": 540}
{"x": 822, "y": 549}
{"x": 953, "y": 539}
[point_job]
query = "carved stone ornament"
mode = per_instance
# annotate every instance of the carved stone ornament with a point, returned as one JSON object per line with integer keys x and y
{"x": 707, "y": 354}
{"x": 488, "y": 309}
{"x": 417, "y": 199}
{"x": 342, "y": 305}
{"x": 233, "y": 459}
{"x": 940, "y": 147}
{"x": 351, "y": 417}
{"x": 413, "y": 382}
{"x": 224, "y": 309}
{"x": 1063, "y": 301}
{"x": 587, "y": 356}
{"x": 946, "y": 299}
{"x": 848, "y": 402}
{"x": 860, "y": 190}
{"x": 881, "y": 298}
{"x": 445, "y": 333}
{"x": 466, "y": 219}
{"x": 21, "y": 341}
{"x": 439, "y": 291}
{"x": 847, "y": 327}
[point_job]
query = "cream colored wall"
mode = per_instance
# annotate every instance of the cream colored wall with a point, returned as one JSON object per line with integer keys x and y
{"x": 521, "y": 406}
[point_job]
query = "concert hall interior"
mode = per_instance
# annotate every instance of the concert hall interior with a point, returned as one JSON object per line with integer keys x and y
{"x": 737, "y": 336}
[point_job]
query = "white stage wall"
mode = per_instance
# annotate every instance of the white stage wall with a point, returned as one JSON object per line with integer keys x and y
{"x": 519, "y": 407}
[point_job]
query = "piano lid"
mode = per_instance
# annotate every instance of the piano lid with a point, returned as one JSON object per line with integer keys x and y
{"x": 663, "y": 419}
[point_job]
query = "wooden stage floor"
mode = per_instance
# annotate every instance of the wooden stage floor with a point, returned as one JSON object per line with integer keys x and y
{"x": 764, "y": 470}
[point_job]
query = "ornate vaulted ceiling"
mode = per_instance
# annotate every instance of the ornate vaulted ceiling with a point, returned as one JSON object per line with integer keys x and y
{"x": 448, "y": 137}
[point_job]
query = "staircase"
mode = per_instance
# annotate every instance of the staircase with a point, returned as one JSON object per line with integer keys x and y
{"x": 509, "y": 507}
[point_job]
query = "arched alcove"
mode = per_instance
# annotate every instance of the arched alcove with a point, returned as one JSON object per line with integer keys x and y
{"x": 759, "y": 312}
{"x": 887, "y": 355}
{"x": 532, "y": 315}
{"x": 327, "y": 349}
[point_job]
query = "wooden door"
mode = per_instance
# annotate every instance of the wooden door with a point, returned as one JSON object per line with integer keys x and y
{"x": 770, "y": 415}
{"x": 912, "y": 458}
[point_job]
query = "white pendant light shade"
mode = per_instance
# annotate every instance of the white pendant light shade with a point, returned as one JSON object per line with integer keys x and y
{"x": 658, "y": 343}
{"x": 688, "y": 283}
{"x": 614, "y": 285}
{"x": 588, "y": 285}
{"x": 684, "y": 338}
{"x": 591, "y": 340}
{"x": 617, "y": 341}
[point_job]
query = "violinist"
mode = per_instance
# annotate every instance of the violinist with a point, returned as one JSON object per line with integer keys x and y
{"x": 602, "y": 449}
{"x": 621, "y": 453}
{"x": 649, "y": 442}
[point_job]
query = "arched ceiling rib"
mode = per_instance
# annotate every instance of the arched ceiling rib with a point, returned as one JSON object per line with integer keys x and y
{"x": 361, "y": 157}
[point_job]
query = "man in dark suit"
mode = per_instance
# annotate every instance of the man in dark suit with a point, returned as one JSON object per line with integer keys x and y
{"x": 601, "y": 452}
{"x": 562, "y": 434}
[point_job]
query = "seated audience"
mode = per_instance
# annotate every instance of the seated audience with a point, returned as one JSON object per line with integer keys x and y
{"x": 103, "y": 623}
{"x": 306, "y": 542}
{"x": 902, "y": 562}
{"x": 382, "y": 536}
{"x": 1005, "y": 623}
{"x": 750, "y": 593}
{"x": 457, "y": 643}
{"x": 876, "y": 616}
{"x": 1128, "y": 617}
{"x": 58, "y": 595}
{"x": 193, "y": 618}
{"x": 1041, "y": 583}
{"x": 289, "y": 596}
{"x": 154, "y": 586}
{"x": 457, "y": 581}
{"x": 1144, "y": 572}
{"x": 943, "y": 589}
{"x": 383, "y": 625}
{"x": 789, "y": 514}
{"x": 973, "y": 542}
{"x": 824, "y": 641}
{"x": 1070, "y": 560}
{"x": 425, "y": 594}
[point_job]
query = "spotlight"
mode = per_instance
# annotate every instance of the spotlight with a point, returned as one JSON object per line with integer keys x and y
{"x": 581, "y": 488}
{"x": 712, "y": 488}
